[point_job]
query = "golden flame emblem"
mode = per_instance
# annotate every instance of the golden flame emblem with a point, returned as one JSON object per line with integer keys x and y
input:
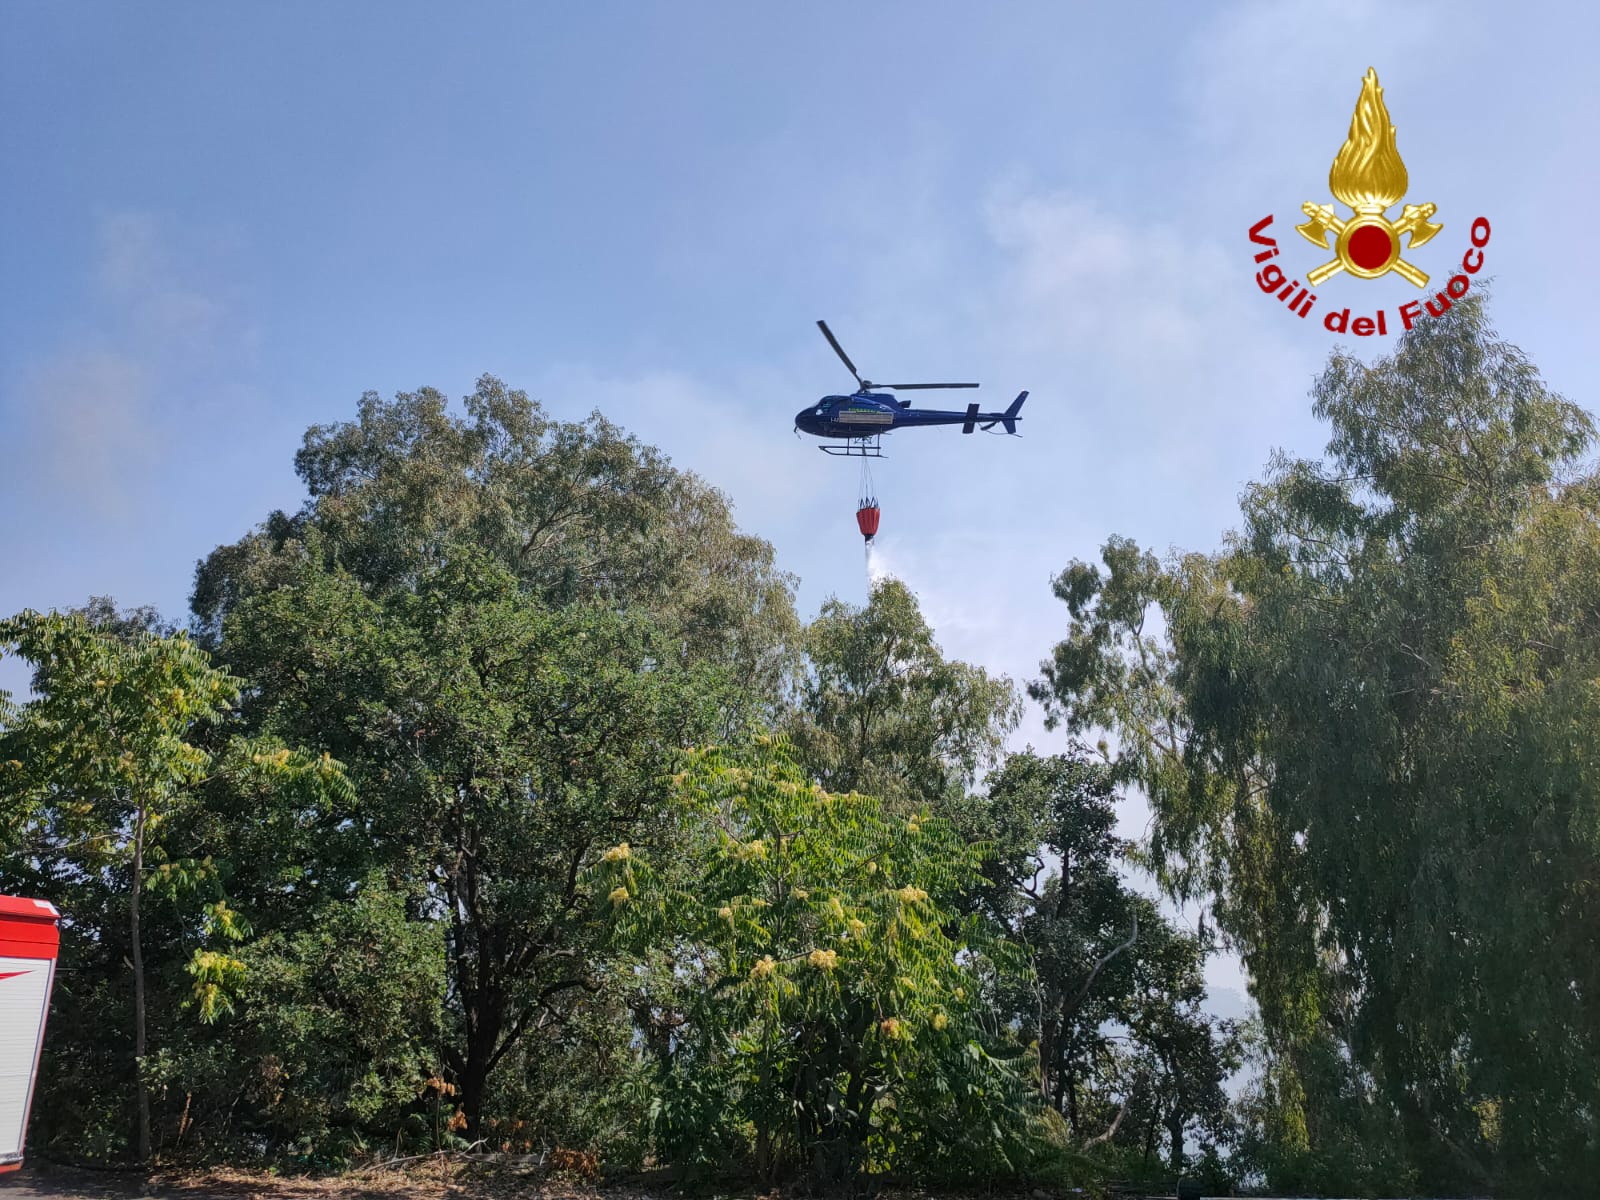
{"x": 1369, "y": 176}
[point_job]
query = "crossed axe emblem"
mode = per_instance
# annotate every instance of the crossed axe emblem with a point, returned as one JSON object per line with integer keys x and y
{"x": 1378, "y": 251}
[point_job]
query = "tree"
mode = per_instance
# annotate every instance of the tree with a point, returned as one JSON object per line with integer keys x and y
{"x": 835, "y": 1001}
{"x": 1054, "y": 886}
{"x": 507, "y": 624}
{"x": 1364, "y": 732}
{"x": 103, "y": 759}
{"x": 1191, "y": 1053}
{"x": 499, "y": 746}
{"x": 879, "y": 709}
{"x": 1109, "y": 968}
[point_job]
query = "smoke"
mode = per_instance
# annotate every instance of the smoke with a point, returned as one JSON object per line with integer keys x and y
{"x": 878, "y": 568}
{"x": 104, "y": 419}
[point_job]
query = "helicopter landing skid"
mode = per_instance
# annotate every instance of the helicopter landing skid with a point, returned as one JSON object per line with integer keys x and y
{"x": 855, "y": 448}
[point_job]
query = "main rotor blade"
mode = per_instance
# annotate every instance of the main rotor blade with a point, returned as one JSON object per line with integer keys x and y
{"x": 910, "y": 387}
{"x": 839, "y": 350}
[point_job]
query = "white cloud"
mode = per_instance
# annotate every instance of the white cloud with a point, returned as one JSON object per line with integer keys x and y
{"x": 1141, "y": 295}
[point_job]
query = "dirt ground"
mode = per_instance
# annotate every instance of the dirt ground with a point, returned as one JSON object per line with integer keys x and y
{"x": 424, "y": 1182}
{"x": 38, "y": 1182}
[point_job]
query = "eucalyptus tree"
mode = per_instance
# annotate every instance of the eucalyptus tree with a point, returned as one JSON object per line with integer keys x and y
{"x": 878, "y": 708}
{"x": 1365, "y": 729}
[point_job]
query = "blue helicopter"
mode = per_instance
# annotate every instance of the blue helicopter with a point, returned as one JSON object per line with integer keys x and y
{"x": 865, "y": 415}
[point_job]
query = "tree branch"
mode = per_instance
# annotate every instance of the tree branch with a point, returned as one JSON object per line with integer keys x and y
{"x": 1112, "y": 1131}
{"x": 1089, "y": 982}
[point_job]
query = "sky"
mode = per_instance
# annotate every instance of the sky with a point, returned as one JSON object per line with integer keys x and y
{"x": 221, "y": 224}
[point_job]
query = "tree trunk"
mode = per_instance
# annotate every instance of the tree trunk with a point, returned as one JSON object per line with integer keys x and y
{"x": 141, "y": 1091}
{"x": 1175, "y": 1128}
{"x": 764, "y": 1163}
{"x": 475, "y": 960}
{"x": 482, "y": 1034}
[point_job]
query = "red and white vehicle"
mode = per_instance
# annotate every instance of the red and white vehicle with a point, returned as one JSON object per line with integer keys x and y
{"x": 28, "y": 944}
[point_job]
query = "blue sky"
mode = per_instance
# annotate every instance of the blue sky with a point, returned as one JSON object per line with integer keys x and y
{"x": 223, "y": 223}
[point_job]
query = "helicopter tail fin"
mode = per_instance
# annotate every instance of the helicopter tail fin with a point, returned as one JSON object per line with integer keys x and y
{"x": 1010, "y": 419}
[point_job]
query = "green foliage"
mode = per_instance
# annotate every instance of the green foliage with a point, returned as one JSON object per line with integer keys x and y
{"x": 878, "y": 708}
{"x": 497, "y": 742}
{"x": 102, "y": 767}
{"x": 342, "y": 1020}
{"x": 577, "y": 512}
{"x": 105, "y": 740}
{"x": 425, "y": 866}
{"x": 1313, "y": 1122}
{"x": 578, "y": 1084}
{"x": 1366, "y": 732}
{"x": 1127, "y": 1055}
{"x": 837, "y": 1005}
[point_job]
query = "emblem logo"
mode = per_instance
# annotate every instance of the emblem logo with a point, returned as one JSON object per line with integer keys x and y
{"x": 1369, "y": 178}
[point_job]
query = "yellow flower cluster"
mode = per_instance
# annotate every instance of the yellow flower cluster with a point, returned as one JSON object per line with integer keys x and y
{"x": 835, "y": 909}
{"x": 725, "y": 913}
{"x": 616, "y": 853}
{"x": 823, "y": 960}
{"x": 911, "y": 895}
{"x": 763, "y": 968}
{"x": 890, "y": 1028}
{"x": 940, "y": 1020}
{"x": 619, "y": 896}
{"x": 857, "y": 928}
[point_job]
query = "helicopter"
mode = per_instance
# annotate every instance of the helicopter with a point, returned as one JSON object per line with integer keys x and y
{"x": 862, "y": 417}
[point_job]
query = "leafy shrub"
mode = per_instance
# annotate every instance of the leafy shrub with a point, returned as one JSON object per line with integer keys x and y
{"x": 835, "y": 1015}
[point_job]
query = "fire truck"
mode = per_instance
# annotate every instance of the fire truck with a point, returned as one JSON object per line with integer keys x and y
{"x": 28, "y": 944}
